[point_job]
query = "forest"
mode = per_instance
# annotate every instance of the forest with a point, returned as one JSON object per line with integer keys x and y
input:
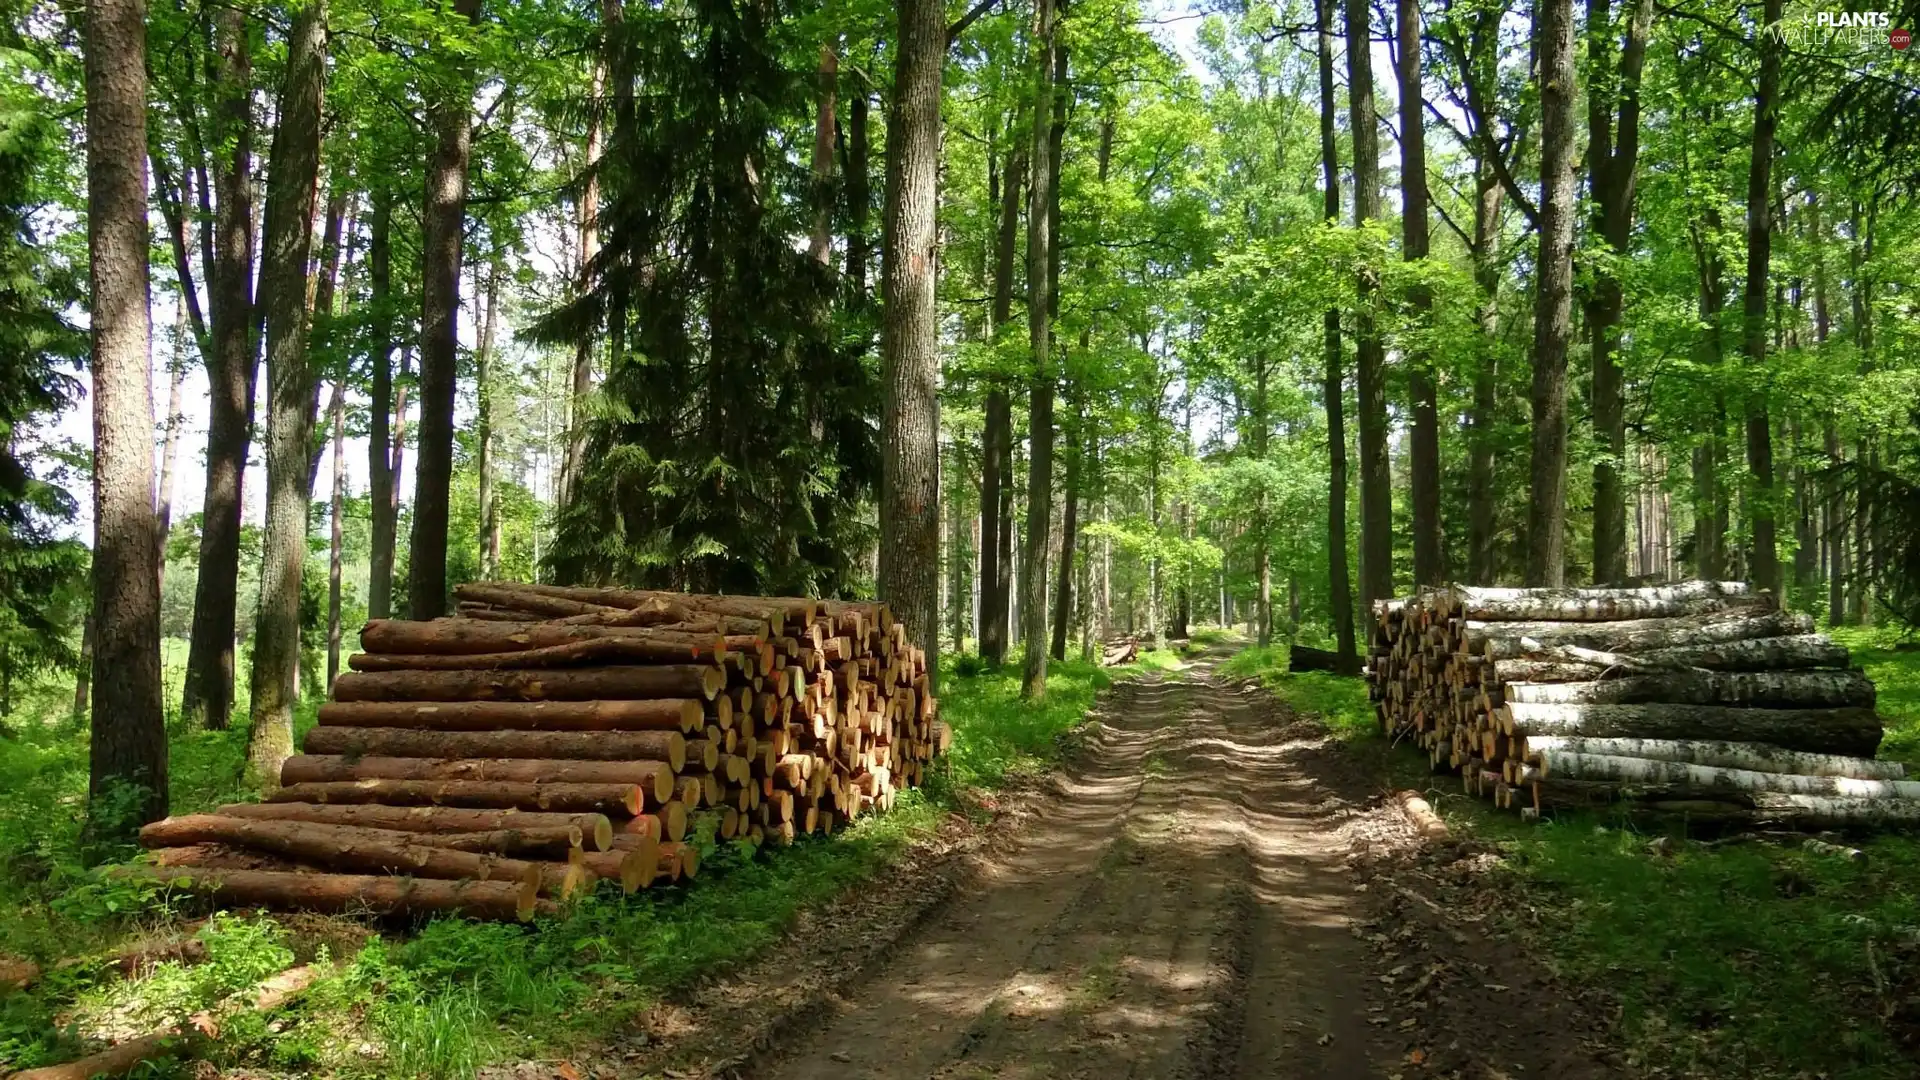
{"x": 1045, "y": 322}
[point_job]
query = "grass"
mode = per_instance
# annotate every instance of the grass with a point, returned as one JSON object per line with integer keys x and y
{"x": 448, "y": 996}
{"x": 1754, "y": 959}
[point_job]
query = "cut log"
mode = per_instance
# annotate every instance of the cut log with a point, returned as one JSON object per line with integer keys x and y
{"x": 653, "y": 777}
{"x": 1672, "y": 774}
{"x": 1599, "y": 605}
{"x": 523, "y": 843}
{"x": 1504, "y": 640}
{"x": 1851, "y": 732}
{"x": 570, "y": 684}
{"x": 1304, "y": 658}
{"x": 634, "y": 867}
{"x": 1763, "y": 689}
{"x": 643, "y": 644}
{"x": 571, "y": 654}
{"x": 1421, "y": 816}
{"x": 654, "y": 714}
{"x": 353, "y": 893}
{"x": 1794, "y": 652}
{"x": 441, "y": 819}
{"x": 338, "y": 847}
{"x": 781, "y": 609}
{"x": 668, "y": 746}
{"x": 1508, "y": 672}
{"x": 478, "y": 794}
{"x": 1758, "y": 757}
{"x": 512, "y": 596}
{"x": 680, "y": 861}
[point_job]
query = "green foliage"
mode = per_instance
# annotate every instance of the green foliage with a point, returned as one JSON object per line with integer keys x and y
{"x": 1340, "y": 701}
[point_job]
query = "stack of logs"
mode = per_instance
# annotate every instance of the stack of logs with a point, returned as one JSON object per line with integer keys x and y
{"x": 1700, "y": 698}
{"x": 547, "y": 737}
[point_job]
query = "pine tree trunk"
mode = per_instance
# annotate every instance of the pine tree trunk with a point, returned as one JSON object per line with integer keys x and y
{"x": 1376, "y": 478}
{"x": 996, "y": 483}
{"x": 380, "y": 474}
{"x": 128, "y": 750}
{"x": 1429, "y": 566}
{"x": 588, "y": 226}
{"x": 83, "y": 675}
{"x": 1764, "y": 567}
{"x": 1553, "y": 300}
{"x": 337, "y": 421}
{"x": 170, "y": 444}
{"x": 287, "y": 246}
{"x": 1069, "y": 532}
{"x": 1482, "y": 516}
{"x": 1262, "y": 511}
{"x": 909, "y": 577}
{"x": 1333, "y": 383}
{"x": 207, "y": 696}
{"x": 820, "y": 241}
{"x": 483, "y": 386}
{"x": 1049, "y": 64}
{"x": 859, "y": 198}
{"x": 443, "y": 227}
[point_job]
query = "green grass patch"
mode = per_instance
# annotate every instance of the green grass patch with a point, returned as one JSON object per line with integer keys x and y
{"x": 1749, "y": 959}
{"x": 453, "y": 994}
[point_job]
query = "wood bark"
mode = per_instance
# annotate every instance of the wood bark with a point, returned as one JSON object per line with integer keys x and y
{"x": 170, "y": 443}
{"x": 1424, "y": 441}
{"x": 820, "y": 239}
{"x": 421, "y": 819}
{"x": 1757, "y": 757}
{"x": 1798, "y": 652}
{"x": 1333, "y": 381}
{"x": 1049, "y": 64}
{"x": 616, "y": 799}
{"x": 1613, "y": 152}
{"x": 337, "y": 420}
{"x": 668, "y": 746}
{"x": 338, "y": 847}
{"x": 489, "y": 538}
{"x": 357, "y": 893}
{"x": 654, "y": 777}
{"x": 1681, "y": 774}
{"x": 1633, "y": 636}
{"x": 286, "y": 247}
{"x": 455, "y": 637}
{"x": 909, "y": 576}
{"x": 656, "y": 714}
{"x": 207, "y": 691}
{"x": 1854, "y": 732}
{"x": 1764, "y": 689}
{"x": 1764, "y": 566}
{"x": 383, "y": 508}
{"x": 1602, "y": 604}
{"x": 1376, "y": 480}
{"x": 128, "y": 747}
{"x": 443, "y": 228}
{"x": 996, "y": 476}
{"x": 542, "y": 843}
{"x": 1553, "y": 297}
{"x": 587, "y": 225}
{"x": 1482, "y": 512}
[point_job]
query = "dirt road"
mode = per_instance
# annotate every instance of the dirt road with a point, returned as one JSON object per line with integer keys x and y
{"x": 1180, "y": 908}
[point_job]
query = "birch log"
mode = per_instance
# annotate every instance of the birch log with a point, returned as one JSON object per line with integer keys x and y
{"x": 1762, "y": 689}
{"x": 1854, "y": 732}
{"x": 1671, "y": 774}
{"x": 1758, "y": 757}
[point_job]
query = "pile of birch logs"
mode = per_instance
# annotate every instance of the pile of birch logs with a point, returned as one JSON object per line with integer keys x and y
{"x": 546, "y": 737}
{"x": 1699, "y": 698}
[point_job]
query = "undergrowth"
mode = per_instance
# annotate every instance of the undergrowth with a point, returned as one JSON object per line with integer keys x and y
{"x": 1726, "y": 957}
{"x": 444, "y": 997}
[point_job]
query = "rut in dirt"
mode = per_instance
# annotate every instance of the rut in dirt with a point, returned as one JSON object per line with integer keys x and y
{"x": 1179, "y": 908}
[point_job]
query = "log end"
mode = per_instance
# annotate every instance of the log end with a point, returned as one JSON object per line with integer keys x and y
{"x": 692, "y": 716}
{"x": 1420, "y": 814}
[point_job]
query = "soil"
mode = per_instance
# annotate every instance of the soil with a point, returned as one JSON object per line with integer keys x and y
{"x": 1212, "y": 889}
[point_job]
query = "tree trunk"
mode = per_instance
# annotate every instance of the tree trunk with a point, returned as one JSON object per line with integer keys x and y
{"x": 588, "y": 226}
{"x": 624, "y": 800}
{"x": 576, "y": 684}
{"x": 1049, "y": 64}
{"x": 337, "y": 847}
{"x": 1613, "y": 155}
{"x": 127, "y": 780}
{"x": 356, "y": 893}
{"x": 820, "y": 242}
{"x": 170, "y": 443}
{"x": 380, "y": 473}
{"x": 1069, "y": 531}
{"x": 287, "y": 246}
{"x": 1754, "y": 757}
{"x": 909, "y": 577}
{"x": 996, "y": 477}
{"x": 453, "y": 637}
{"x": 443, "y": 228}
{"x": 1631, "y": 637}
{"x": 1376, "y": 479}
{"x": 1333, "y": 383}
{"x": 1553, "y": 299}
{"x": 207, "y": 696}
{"x": 1601, "y": 605}
{"x": 1756, "y": 689}
{"x": 1429, "y": 566}
{"x": 667, "y": 746}
{"x": 859, "y": 198}
{"x": 1854, "y": 731}
{"x": 421, "y": 819}
{"x": 337, "y": 420}
{"x": 483, "y": 388}
{"x": 1682, "y": 774}
{"x": 686, "y": 715}
{"x": 656, "y": 778}
{"x": 1764, "y": 567}
{"x": 1794, "y": 652}
{"x": 83, "y": 676}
